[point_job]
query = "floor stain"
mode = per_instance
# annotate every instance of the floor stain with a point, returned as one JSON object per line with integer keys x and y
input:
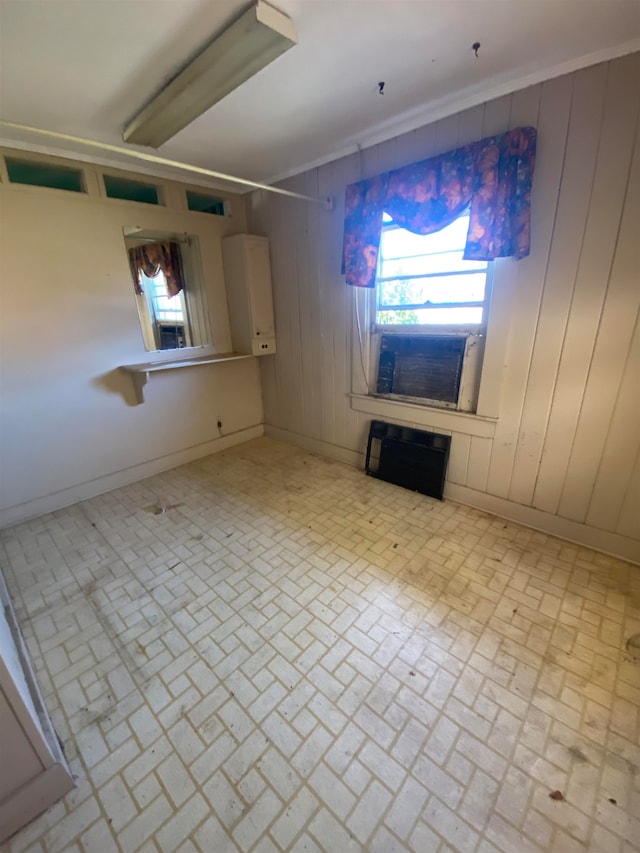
{"x": 633, "y": 646}
{"x": 578, "y": 754}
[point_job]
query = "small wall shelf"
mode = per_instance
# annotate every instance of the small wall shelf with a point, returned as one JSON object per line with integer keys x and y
{"x": 139, "y": 373}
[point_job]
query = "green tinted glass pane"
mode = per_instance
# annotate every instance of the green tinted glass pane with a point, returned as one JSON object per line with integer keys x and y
{"x": 205, "y": 203}
{"x": 44, "y": 175}
{"x": 130, "y": 190}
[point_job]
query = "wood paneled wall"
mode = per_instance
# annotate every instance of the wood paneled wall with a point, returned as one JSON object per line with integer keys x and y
{"x": 565, "y": 453}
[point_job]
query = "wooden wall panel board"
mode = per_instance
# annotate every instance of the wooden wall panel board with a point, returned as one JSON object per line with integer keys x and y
{"x": 612, "y": 485}
{"x": 313, "y": 334}
{"x": 447, "y": 133}
{"x": 274, "y": 402}
{"x": 299, "y": 299}
{"x": 328, "y": 283}
{"x": 281, "y": 274}
{"x": 629, "y": 521}
{"x": 375, "y": 160}
{"x": 267, "y": 218}
{"x": 589, "y": 294}
{"x": 364, "y": 422}
{"x": 524, "y": 107}
{"x": 575, "y": 191}
{"x": 417, "y": 145}
{"x": 470, "y": 125}
{"x": 478, "y": 465}
{"x": 257, "y": 213}
{"x": 269, "y": 386}
{"x": 385, "y": 155}
{"x": 496, "y": 116}
{"x": 614, "y": 335}
{"x": 458, "y": 458}
{"x": 530, "y": 271}
{"x": 359, "y": 350}
{"x": 346, "y": 171}
{"x": 495, "y": 350}
{"x": 284, "y": 356}
{"x": 367, "y": 163}
{"x": 521, "y": 107}
{"x": 292, "y": 371}
{"x": 623, "y": 444}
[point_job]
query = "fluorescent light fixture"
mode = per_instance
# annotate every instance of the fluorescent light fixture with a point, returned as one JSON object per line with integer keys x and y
{"x": 249, "y": 44}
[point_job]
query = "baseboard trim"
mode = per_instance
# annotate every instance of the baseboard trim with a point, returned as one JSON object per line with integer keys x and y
{"x": 612, "y": 544}
{"x": 83, "y": 491}
{"x": 316, "y": 445}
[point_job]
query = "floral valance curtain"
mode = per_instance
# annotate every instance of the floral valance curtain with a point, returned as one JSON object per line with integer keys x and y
{"x": 151, "y": 258}
{"x": 492, "y": 177}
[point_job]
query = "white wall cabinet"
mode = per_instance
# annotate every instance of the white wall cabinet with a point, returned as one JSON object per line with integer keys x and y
{"x": 247, "y": 271}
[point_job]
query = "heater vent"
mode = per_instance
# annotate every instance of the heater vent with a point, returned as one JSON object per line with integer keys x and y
{"x": 412, "y": 458}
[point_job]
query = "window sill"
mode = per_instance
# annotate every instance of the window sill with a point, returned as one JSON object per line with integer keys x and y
{"x": 139, "y": 373}
{"x": 425, "y": 416}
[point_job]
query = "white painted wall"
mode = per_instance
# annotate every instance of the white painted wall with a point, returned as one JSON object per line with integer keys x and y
{"x": 561, "y": 378}
{"x": 69, "y": 427}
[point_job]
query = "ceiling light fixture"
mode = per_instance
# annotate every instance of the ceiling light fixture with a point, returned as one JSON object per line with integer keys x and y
{"x": 249, "y": 44}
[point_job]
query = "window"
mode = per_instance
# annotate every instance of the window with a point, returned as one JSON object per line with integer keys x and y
{"x": 423, "y": 279}
{"x": 169, "y": 291}
{"x": 124, "y": 188}
{"x": 200, "y": 203}
{"x": 39, "y": 174}
{"x": 431, "y": 311}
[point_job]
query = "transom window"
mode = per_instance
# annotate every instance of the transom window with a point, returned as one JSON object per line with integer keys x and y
{"x": 424, "y": 280}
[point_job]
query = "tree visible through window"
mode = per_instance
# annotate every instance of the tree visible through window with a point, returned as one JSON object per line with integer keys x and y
{"x": 424, "y": 280}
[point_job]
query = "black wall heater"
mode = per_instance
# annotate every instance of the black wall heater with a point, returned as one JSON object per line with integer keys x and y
{"x": 412, "y": 458}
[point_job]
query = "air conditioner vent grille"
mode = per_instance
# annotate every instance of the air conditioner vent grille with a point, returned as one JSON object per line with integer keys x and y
{"x": 425, "y": 366}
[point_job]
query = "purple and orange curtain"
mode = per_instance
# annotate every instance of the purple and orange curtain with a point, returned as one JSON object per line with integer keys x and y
{"x": 492, "y": 177}
{"x": 152, "y": 258}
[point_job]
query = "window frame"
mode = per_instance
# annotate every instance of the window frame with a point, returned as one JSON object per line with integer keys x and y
{"x": 367, "y": 338}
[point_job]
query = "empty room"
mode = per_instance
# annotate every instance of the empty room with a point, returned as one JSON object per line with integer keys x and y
{"x": 320, "y": 426}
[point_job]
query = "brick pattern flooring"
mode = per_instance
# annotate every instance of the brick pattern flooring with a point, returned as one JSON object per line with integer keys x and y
{"x": 300, "y": 658}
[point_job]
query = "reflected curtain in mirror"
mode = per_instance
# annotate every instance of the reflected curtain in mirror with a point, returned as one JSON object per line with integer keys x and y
{"x": 492, "y": 177}
{"x": 152, "y": 258}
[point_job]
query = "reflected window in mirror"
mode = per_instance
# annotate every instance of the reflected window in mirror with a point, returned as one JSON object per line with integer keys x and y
{"x": 168, "y": 286}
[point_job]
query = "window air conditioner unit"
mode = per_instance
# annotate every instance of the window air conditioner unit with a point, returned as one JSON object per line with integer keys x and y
{"x": 442, "y": 370}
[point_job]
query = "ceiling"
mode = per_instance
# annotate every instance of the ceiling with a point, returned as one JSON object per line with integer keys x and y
{"x": 86, "y": 67}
